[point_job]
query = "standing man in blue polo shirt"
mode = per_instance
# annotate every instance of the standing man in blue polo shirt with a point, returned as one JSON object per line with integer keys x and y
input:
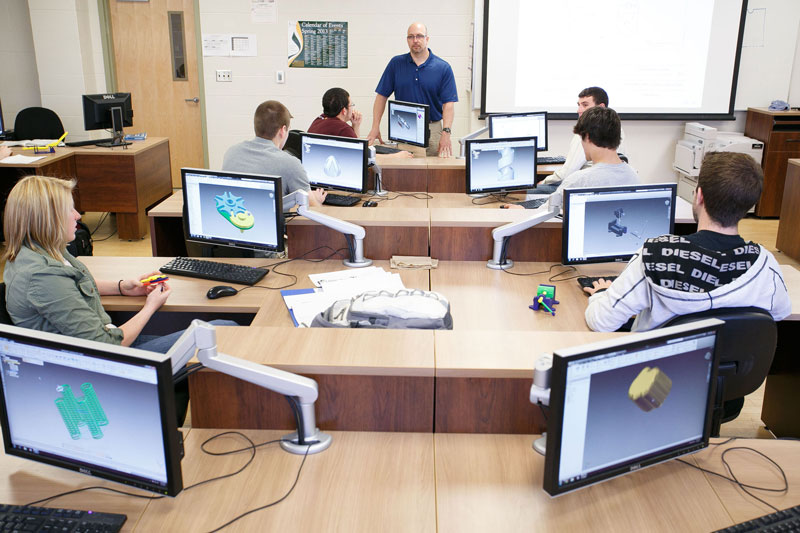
{"x": 423, "y": 78}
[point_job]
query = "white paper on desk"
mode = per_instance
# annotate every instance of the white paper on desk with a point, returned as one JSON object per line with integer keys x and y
{"x": 34, "y": 142}
{"x": 20, "y": 159}
{"x": 342, "y": 274}
{"x": 349, "y": 288}
{"x": 306, "y": 306}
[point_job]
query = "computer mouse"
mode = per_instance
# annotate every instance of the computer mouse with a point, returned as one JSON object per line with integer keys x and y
{"x": 503, "y": 206}
{"x": 369, "y": 203}
{"x": 220, "y": 291}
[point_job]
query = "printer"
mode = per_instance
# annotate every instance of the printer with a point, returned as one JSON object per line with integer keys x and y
{"x": 698, "y": 140}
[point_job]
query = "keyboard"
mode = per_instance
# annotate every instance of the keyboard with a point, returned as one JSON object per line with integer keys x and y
{"x": 341, "y": 200}
{"x": 533, "y": 204}
{"x": 550, "y": 159}
{"x": 380, "y": 149}
{"x": 29, "y": 518}
{"x": 787, "y": 521}
{"x": 229, "y": 273}
{"x": 90, "y": 142}
{"x": 588, "y": 281}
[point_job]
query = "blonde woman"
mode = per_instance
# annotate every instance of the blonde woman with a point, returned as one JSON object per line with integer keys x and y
{"x": 49, "y": 290}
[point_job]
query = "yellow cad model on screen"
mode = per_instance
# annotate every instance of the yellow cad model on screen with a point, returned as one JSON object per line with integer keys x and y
{"x": 650, "y": 388}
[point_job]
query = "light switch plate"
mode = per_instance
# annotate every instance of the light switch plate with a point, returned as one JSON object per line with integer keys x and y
{"x": 224, "y": 75}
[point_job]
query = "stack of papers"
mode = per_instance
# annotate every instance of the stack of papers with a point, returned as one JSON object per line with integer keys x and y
{"x": 34, "y": 142}
{"x": 305, "y": 304}
{"x": 20, "y": 159}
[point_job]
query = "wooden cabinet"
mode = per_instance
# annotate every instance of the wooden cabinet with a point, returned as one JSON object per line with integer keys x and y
{"x": 788, "y": 240}
{"x": 780, "y": 132}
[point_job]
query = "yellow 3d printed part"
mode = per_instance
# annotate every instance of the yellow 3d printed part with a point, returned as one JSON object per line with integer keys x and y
{"x": 650, "y": 388}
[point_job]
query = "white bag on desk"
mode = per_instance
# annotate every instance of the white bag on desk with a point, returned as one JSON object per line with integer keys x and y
{"x": 406, "y": 309}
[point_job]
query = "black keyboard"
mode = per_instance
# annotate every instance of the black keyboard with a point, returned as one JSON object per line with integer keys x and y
{"x": 787, "y": 521}
{"x": 29, "y": 518}
{"x": 380, "y": 149}
{"x": 198, "y": 268}
{"x": 533, "y": 204}
{"x": 341, "y": 200}
{"x": 90, "y": 142}
{"x": 588, "y": 281}
{"x": 550, "y": 159}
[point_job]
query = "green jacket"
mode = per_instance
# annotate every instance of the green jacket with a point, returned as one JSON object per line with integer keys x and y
{"x": 45, "y": 294}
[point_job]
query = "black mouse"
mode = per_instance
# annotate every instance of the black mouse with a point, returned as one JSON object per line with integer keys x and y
{"x": 369, "y": 203}
{"x": 220, "y": 291}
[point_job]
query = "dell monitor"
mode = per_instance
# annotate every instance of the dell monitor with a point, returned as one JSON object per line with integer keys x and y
{"x": 605, "y": 224}
{"x": 108, "y": 112}
{"x": 233, "y": 209}
{"x": 520, "y": 125}
{"x": 409, "y": 123}
{"x": 620, "y": 405}
{"x": 500, "y": 165}
{"x": 96, "y": 408}
{"x": 338, "y": 163}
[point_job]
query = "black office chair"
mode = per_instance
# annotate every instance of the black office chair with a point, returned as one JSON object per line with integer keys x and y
{"x": 746, "y": 344}
{"x": 292, "y": 145}
{"x": 5, "y": 318}
{"x": 37, "y": 123}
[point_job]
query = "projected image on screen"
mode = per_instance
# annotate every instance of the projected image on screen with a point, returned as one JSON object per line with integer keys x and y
{"x": 404, "y": 126}
{"x": 620, "y": 227}
{"x": 333, "y": 166}
{"x": 504, "y": 167}
{"x": 237, "y": 213}
{"x": 98, "y": 418}
{"x": 618, "y": 427}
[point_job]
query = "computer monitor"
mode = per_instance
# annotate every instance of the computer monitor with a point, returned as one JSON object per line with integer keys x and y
{"x": 520, "y": 125}
{"x": 233, "y": 209}
{"x": 108, "y": 112}
{"x": 620, "y": 405}
{"x": 500, "y": 165}
{"x": 409, "y": 123}
{"x": 96, "y": 408}
{"x": 335, "y": 162}
{"x": 603, "y": 224}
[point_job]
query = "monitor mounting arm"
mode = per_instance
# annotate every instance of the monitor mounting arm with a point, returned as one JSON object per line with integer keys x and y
{"x": 373, "y": 163}
{"x": 501, "y": 234}
{"x": 463, "y": 141}
{"x": 540, "y": 393}
{"x": 201, "y": 337}
{"x": 354, "y": 233}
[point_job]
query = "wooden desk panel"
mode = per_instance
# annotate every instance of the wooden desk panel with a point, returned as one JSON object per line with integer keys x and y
{"x": 494, "y": 483}
{"x": 788, "y": 239}
{"x": 369, "y": 380}
{"x": 363, "y": 482}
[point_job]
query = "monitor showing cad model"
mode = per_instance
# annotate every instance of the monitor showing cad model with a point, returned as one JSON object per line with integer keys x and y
{"x": 99, "y": 409}
{"x": 408, "y": 123}
{"x": 335, "y": 162}
{"x": 619, "y": 405}
{"x": 233, "y": 209}
{"x": 495, "y": 165}
{"x": 611, "y": 223}
{"x": 520, "y": 125}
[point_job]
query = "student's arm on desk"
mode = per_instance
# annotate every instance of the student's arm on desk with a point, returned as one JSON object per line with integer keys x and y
{"x": 611, "y": 308}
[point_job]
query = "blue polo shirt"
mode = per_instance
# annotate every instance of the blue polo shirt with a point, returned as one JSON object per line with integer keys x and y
{"x": 430, "y": 83}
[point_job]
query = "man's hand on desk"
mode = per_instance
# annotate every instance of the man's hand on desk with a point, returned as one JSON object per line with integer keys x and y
{"x": 317, "y": 197}
{"x": 374, "y": 134}
{"x": 445, "y": 145}
{"x": 600, "y": 284}
{"x": 5, "y": 151}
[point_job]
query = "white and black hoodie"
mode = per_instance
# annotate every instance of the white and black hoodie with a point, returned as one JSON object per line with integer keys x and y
{"x": 673, "y": 275}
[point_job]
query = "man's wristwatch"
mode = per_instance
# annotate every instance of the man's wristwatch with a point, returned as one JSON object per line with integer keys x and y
{"x": 446, "y": 130}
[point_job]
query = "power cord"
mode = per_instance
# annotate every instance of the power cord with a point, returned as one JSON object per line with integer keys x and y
{"x": 273, "y": 267}
{"x": 736, "y": 481}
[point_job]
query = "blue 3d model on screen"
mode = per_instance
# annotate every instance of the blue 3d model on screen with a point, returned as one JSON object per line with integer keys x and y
{"x": 232, "y": 209}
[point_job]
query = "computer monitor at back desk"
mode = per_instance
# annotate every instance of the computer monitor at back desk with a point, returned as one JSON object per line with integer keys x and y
{"x": 332, "y": 162}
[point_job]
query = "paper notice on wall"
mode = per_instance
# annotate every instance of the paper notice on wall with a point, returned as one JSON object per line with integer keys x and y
{"x": 216, "y": 44}
{"x": 317, "y": 44}
{"x": 244, "y": 45}
{"x": 262, "y": 11}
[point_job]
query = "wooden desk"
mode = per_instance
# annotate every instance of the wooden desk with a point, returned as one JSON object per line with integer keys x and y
{"x": 363, "y": 482}
{"x": 397, "y": 226}
{"x": 788, "y": 239}
{"x": 494, "y": 483}
{"x": 123, "y": 181}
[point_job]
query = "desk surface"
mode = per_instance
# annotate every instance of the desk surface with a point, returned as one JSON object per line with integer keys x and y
{"x": 422, "y": 482}
{"x": 67, "y": 151}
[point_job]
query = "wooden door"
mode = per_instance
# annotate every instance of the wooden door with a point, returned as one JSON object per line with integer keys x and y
{"x": 165, "y": 93}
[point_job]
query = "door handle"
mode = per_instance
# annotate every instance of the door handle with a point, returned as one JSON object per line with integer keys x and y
{"x": 195, "y": 100}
